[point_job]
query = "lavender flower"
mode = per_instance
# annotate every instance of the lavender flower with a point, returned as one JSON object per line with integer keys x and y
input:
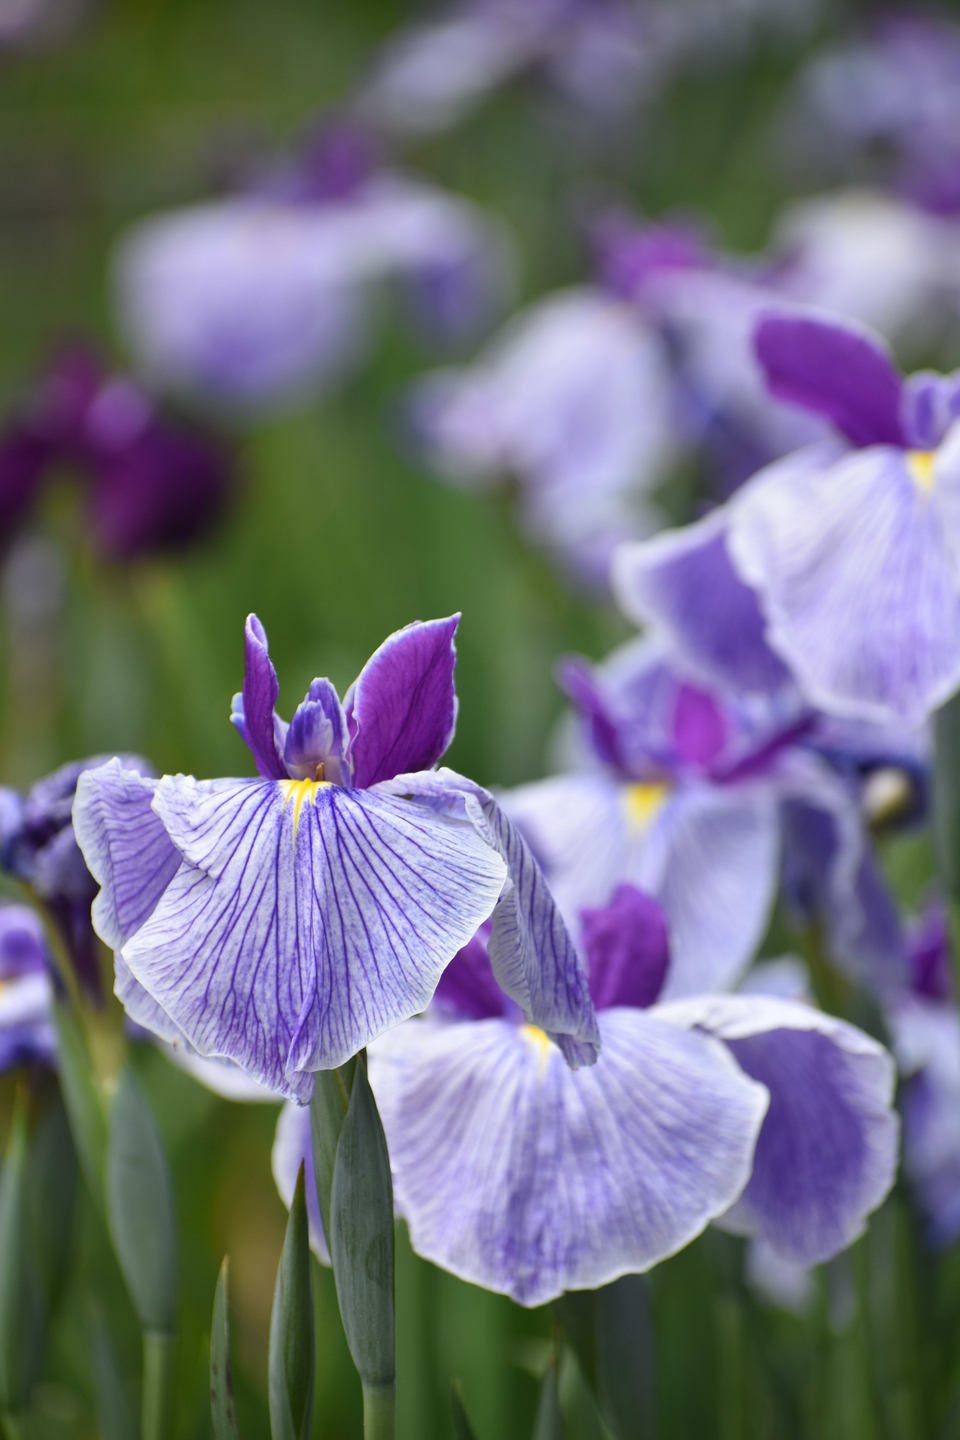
{"x": 284, "y": 922}
{"x": 26, "y": 991}
{"x": 152, "y": 485}
{"x": 520, "y": 1175}
{"x": 264, "y": 297}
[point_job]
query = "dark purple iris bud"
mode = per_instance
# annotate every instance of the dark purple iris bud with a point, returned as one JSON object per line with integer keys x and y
{"x": 628, "y": 949}
{"x": 930, "y": 957}
{"x": 153, "y": 485}
{"x": 337, "y": 161}
{"x": 39, "y": 848}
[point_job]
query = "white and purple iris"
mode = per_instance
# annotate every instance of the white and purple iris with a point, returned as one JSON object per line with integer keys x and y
{"x": 284, "y": 922}
{"x": 27, "y": 1036}
{"x": 518, "y": 1174}
{"x": 845, "y": 557}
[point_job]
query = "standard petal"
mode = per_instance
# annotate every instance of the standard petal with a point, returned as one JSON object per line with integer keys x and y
{"x": 711, "y": 858}
{"x": 260, "y": 691}
{"x": 684, "y": 583}
{"x": 523, "y": 1176}
{"x": 836, "y": 368}
{"x": 305, "y": 919}
{"x": 857, "y": 583}
{"x": 827, "y": 1153}
{"x": 126, "y": 848}
{"x": 291, "y": 1148}
{"x": 533, "y": 956}
{"x": 402, "y": 709}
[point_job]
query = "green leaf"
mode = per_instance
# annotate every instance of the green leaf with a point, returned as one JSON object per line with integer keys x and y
{"x": 22, "y": 1317}
{"x": 84, "y": 1110}
{"x": 611, "y": 1333}
{"x": 51, "y": 1191}
{"x": 140, "y": 1207}
{"x": 549, "y": 1422}
{"x": 331, "y": 1097}
{"x": 221, "y": 1379}
{"x": 114, "y": 1410}
{"x": 462, "y": 1428}
{"x": 362, "y": 1236}
{"x": 291, "y": 1329}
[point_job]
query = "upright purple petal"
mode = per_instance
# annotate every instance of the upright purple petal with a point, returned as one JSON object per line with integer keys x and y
{"x": 317, "y": 737}
{"x": 402, "y": 708}
{"x": 837, "y": 369}
{"x": 699, "y": 727}
{"x": 523, "y": 1176}
{"x": 827, "y": 1152}
{"x": 628, "y": 949}
{"x": 260, "y": 691}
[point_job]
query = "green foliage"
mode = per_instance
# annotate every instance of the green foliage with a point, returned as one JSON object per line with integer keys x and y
{"x": 292, "y": 1360}
{"x": 222, "y": 1405}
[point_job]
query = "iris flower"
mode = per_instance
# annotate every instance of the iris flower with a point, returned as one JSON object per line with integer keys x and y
{"x": 284, "y": 922}
{"x": 520, "y": 1175}
{"x": 843, "y": 557}
{"x": 27, "y": 1035}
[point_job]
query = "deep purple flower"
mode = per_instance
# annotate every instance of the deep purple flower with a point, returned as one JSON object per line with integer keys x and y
{"x": 151, "y": 485}
{"x": 284, "y": 922}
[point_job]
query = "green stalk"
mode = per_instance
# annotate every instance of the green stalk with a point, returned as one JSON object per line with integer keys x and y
{"x": 157, "y": 1386}
{"x": 379, "y": 1412}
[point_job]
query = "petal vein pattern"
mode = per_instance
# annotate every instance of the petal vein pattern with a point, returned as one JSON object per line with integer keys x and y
{"x": 286, "y": 949}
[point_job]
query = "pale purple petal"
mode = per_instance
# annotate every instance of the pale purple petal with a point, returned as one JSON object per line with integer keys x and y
{"x": 292, "y": 1147}
{"x": 127, "y": 850}
{"x": 523, "y": 1176}
{"x": 827, "y": 1152}
{"x": 402, "y": 709}
{"x": 533, "y": 956}
{"x": 23, "y": 943}
{"x": 305, "y": 920}
{"x": 255, "y": 718}
{"x": 684, "y": 583}
{"x": 837, "y": 369}
{"x": 857, "y": 581}
{"x": 27, "y": 1035}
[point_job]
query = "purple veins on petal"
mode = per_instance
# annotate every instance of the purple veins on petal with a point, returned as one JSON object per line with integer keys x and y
{"x": 836, "y": 368}
{"x": 402, "y": 708}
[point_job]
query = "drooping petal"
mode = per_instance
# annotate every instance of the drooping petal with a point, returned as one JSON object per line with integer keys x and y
{"x": 827, "y": 1153}
{"x": 127, "y": 850}
{"x": 291, "y": 1148}
{"x": 857, "y": 582}
{"x": 260, "y": 691}
{"x": 533, "y": 956}
{"x": 523, "y": 1176}
{"x": 684, "y": 583}
{"x": 711, "y": 858}
{"x": 402, "y": 709}
{"x": 305, "y": 919}
{"x": 835, "y": 368}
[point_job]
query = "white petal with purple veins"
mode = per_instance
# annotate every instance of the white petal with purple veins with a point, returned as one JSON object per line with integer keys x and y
{"x": 523, "y": 1176}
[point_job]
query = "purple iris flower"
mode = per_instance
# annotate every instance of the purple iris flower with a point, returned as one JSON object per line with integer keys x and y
{"x": 151, "y": 485}
{"x": 676, "y": 791}
{"x": 26, "y": 990}
{"x": 924, "y": 1024}
{"x": 265, "y": 296}
{"x": 284, "y": 922}
{"x": 38, "y": 846}
{"x": 843, "y": 555}
{"x": 524, "y": 1177}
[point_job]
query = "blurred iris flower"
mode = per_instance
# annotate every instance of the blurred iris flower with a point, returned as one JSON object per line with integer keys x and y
{"x": 522, "y": 1176}
{"x": 284, "y": 922}
{"x": 39, "y": 848}
{"x": 152, "y": 485}
{"x": 27, "y": 1036}
{"x": 265, "y": 297}
{"x": 844, "y": 555}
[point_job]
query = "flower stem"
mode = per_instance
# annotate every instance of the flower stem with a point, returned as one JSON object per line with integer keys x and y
{"x": 379, "y": 1412}
{"x": 157, "y": 1387}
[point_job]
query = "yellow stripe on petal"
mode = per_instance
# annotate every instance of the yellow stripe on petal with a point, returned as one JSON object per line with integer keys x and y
{"x": 298, "y": 791}
{"x": 642, "y": 802}
{"x": 920, "y": 464}
{"x": 541, "y": 1042}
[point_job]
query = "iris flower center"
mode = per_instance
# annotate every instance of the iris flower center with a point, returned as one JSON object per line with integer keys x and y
{"x": 540, "y": 1041}
{"x": 641, "y": 803}
{"x": 920, "y": 465}
{"x": 298, "y": 791}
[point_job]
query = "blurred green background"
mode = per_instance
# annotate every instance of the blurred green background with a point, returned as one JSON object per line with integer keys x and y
{"x": 335, "y": 540}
